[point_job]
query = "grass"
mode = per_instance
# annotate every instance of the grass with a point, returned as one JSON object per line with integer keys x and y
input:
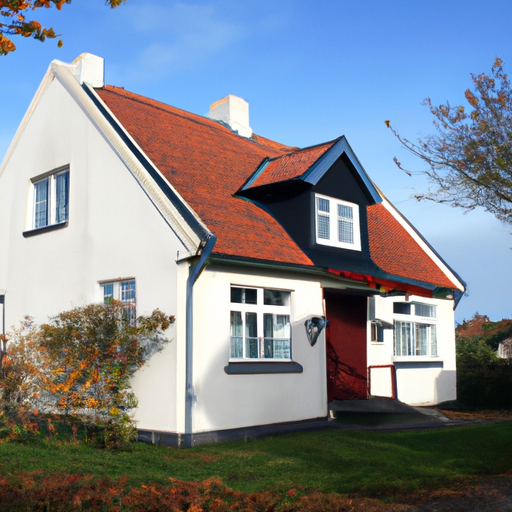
{"x": 362, "y": 462}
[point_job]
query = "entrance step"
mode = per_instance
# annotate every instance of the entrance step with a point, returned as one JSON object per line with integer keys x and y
{"x": 379, "y": 404}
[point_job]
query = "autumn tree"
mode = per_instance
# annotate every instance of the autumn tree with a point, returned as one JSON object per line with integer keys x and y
{"x": 469, "y": 157}
{"x": 15, "y": 21}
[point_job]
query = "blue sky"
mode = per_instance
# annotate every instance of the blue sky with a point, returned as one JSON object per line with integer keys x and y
{"x": 311, "y": 71}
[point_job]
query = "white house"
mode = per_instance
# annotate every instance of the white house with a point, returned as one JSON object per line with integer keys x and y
{"x": 250, "y": 243}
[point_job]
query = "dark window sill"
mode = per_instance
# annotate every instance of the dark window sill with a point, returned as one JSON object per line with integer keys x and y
{"x": 251, "y": 368}
{"x": 421, "y": 363}
{"x": 45, "y": 229}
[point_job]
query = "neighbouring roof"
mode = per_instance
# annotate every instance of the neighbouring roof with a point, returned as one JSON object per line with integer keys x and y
{"x": 207, "y": 164}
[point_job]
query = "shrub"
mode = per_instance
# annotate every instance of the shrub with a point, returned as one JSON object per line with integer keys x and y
{"x": 80, "y": 365}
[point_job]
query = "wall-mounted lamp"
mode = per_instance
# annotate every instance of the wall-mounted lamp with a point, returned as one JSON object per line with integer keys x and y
{"x": 314, "y": 327}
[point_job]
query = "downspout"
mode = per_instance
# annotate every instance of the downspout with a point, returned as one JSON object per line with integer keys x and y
{"x": 193, "y": 274}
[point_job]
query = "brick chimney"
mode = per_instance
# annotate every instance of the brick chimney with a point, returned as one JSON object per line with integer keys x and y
{"x": 233, "y": 111}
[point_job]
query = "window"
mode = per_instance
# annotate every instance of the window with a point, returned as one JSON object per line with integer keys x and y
{"x": 124, "y": 291}
{"x": 337, "y": 223}
{"x": 376, "y": 332}
{"x": 260, "y": 324}
{"x": 51, "y": 199}
{"x": 415, "y": 329}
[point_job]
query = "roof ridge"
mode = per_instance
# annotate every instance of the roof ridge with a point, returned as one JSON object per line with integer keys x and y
{"x": 165, "y": 107}
{"x": 189, "y": 116}
{"x": 298, "y": 150}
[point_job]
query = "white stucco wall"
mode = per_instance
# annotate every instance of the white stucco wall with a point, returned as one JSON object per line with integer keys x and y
{"x": 421, "y": 380}
{"x": 231, "y": 401}
{"x": 114, "y": 232}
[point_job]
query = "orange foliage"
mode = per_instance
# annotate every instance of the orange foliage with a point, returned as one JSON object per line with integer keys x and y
{"x": 16, "y": 23}
{"x": 64, "y": 492}
{"x": 79, "y": 364}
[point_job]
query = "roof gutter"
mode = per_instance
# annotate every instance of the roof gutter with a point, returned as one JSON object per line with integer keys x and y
{"x": 195, "y": 270}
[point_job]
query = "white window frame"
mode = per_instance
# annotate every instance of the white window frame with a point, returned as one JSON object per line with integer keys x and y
{"x": 124, "y": 290}
{"x": 260, "y": 309}
{"x": 334, "y": 220}
{"x": 409, "y": 327}
{"x": 56, "y": 213}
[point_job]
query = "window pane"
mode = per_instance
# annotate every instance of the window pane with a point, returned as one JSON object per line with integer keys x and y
{"x": 403, "y": 338}
{"x": 345, "y": 231}
{"x": 276, "y": 326}
{"x": 377, "y": 332}
{"x": 276, "y": 335}
{"x": 251, "y": 336}
{"x": 108, "y": 292}
{"x": 237, "y": 347}
{"x": 127, "y": 292}
{"x": 433, "y": 341}
{"x": 276, "y": 298}
{"x": 61, "y": 199}
{"x": 244, "y": 295}
{"x": 236, "y": 323}
{"x": 251, "y": 325}
{"x": 269, "y": 347}
{"x": 323, "y": 222}
{"x": 251, "y": 348}
{"x": 345, "y": 212}
{"x": 251, "y": 296}
{"x": 236, "y": 295}
{"x": 425, "y": 310}
{"x": 323, "y": 226}
{"x": 323, "y": 204}
{"x": 403, "y": 308}
{"x": 282, "y": 349}
{"x": 236, "y": 335}
{"x": 422, "y": 332}
{"x": 41, "y": 203}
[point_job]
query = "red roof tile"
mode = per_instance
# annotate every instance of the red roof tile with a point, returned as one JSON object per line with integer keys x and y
{"x": 206, "y": 162}
{"x": 291, "y": 165}
{"x": 396, "y": 252}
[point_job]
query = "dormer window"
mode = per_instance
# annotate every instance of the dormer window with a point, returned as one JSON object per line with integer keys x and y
{"x": 337, "y": 223}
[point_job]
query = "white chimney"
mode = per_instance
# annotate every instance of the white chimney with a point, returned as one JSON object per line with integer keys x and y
{"x": 233, "y": 111}
{"x": 89, "y": 69}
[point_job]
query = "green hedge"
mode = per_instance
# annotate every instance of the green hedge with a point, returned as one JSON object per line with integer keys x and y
{"x": 487, "y": 386}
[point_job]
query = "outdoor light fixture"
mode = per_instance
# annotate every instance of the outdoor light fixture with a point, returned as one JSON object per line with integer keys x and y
{"x": 314, "y": 327}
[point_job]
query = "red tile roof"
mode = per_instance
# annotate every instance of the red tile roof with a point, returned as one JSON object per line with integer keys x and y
{"x": 206, "y": 162}
{"x": 396, "y": 252}
{"x": 292, "y": 165}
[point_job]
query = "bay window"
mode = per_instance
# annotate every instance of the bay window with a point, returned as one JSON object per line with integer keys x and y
{"x": 415, "y": 331}
{"x": 260, "y": 324}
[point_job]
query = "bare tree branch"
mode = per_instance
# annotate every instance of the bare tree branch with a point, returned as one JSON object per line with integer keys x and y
{"x": 469, "y": 157}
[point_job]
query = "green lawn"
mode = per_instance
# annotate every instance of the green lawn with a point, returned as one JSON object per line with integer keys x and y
{"x": 364, "y": 462}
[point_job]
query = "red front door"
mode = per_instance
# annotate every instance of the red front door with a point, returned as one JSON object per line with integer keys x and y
{"x": 346, "y": 346}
